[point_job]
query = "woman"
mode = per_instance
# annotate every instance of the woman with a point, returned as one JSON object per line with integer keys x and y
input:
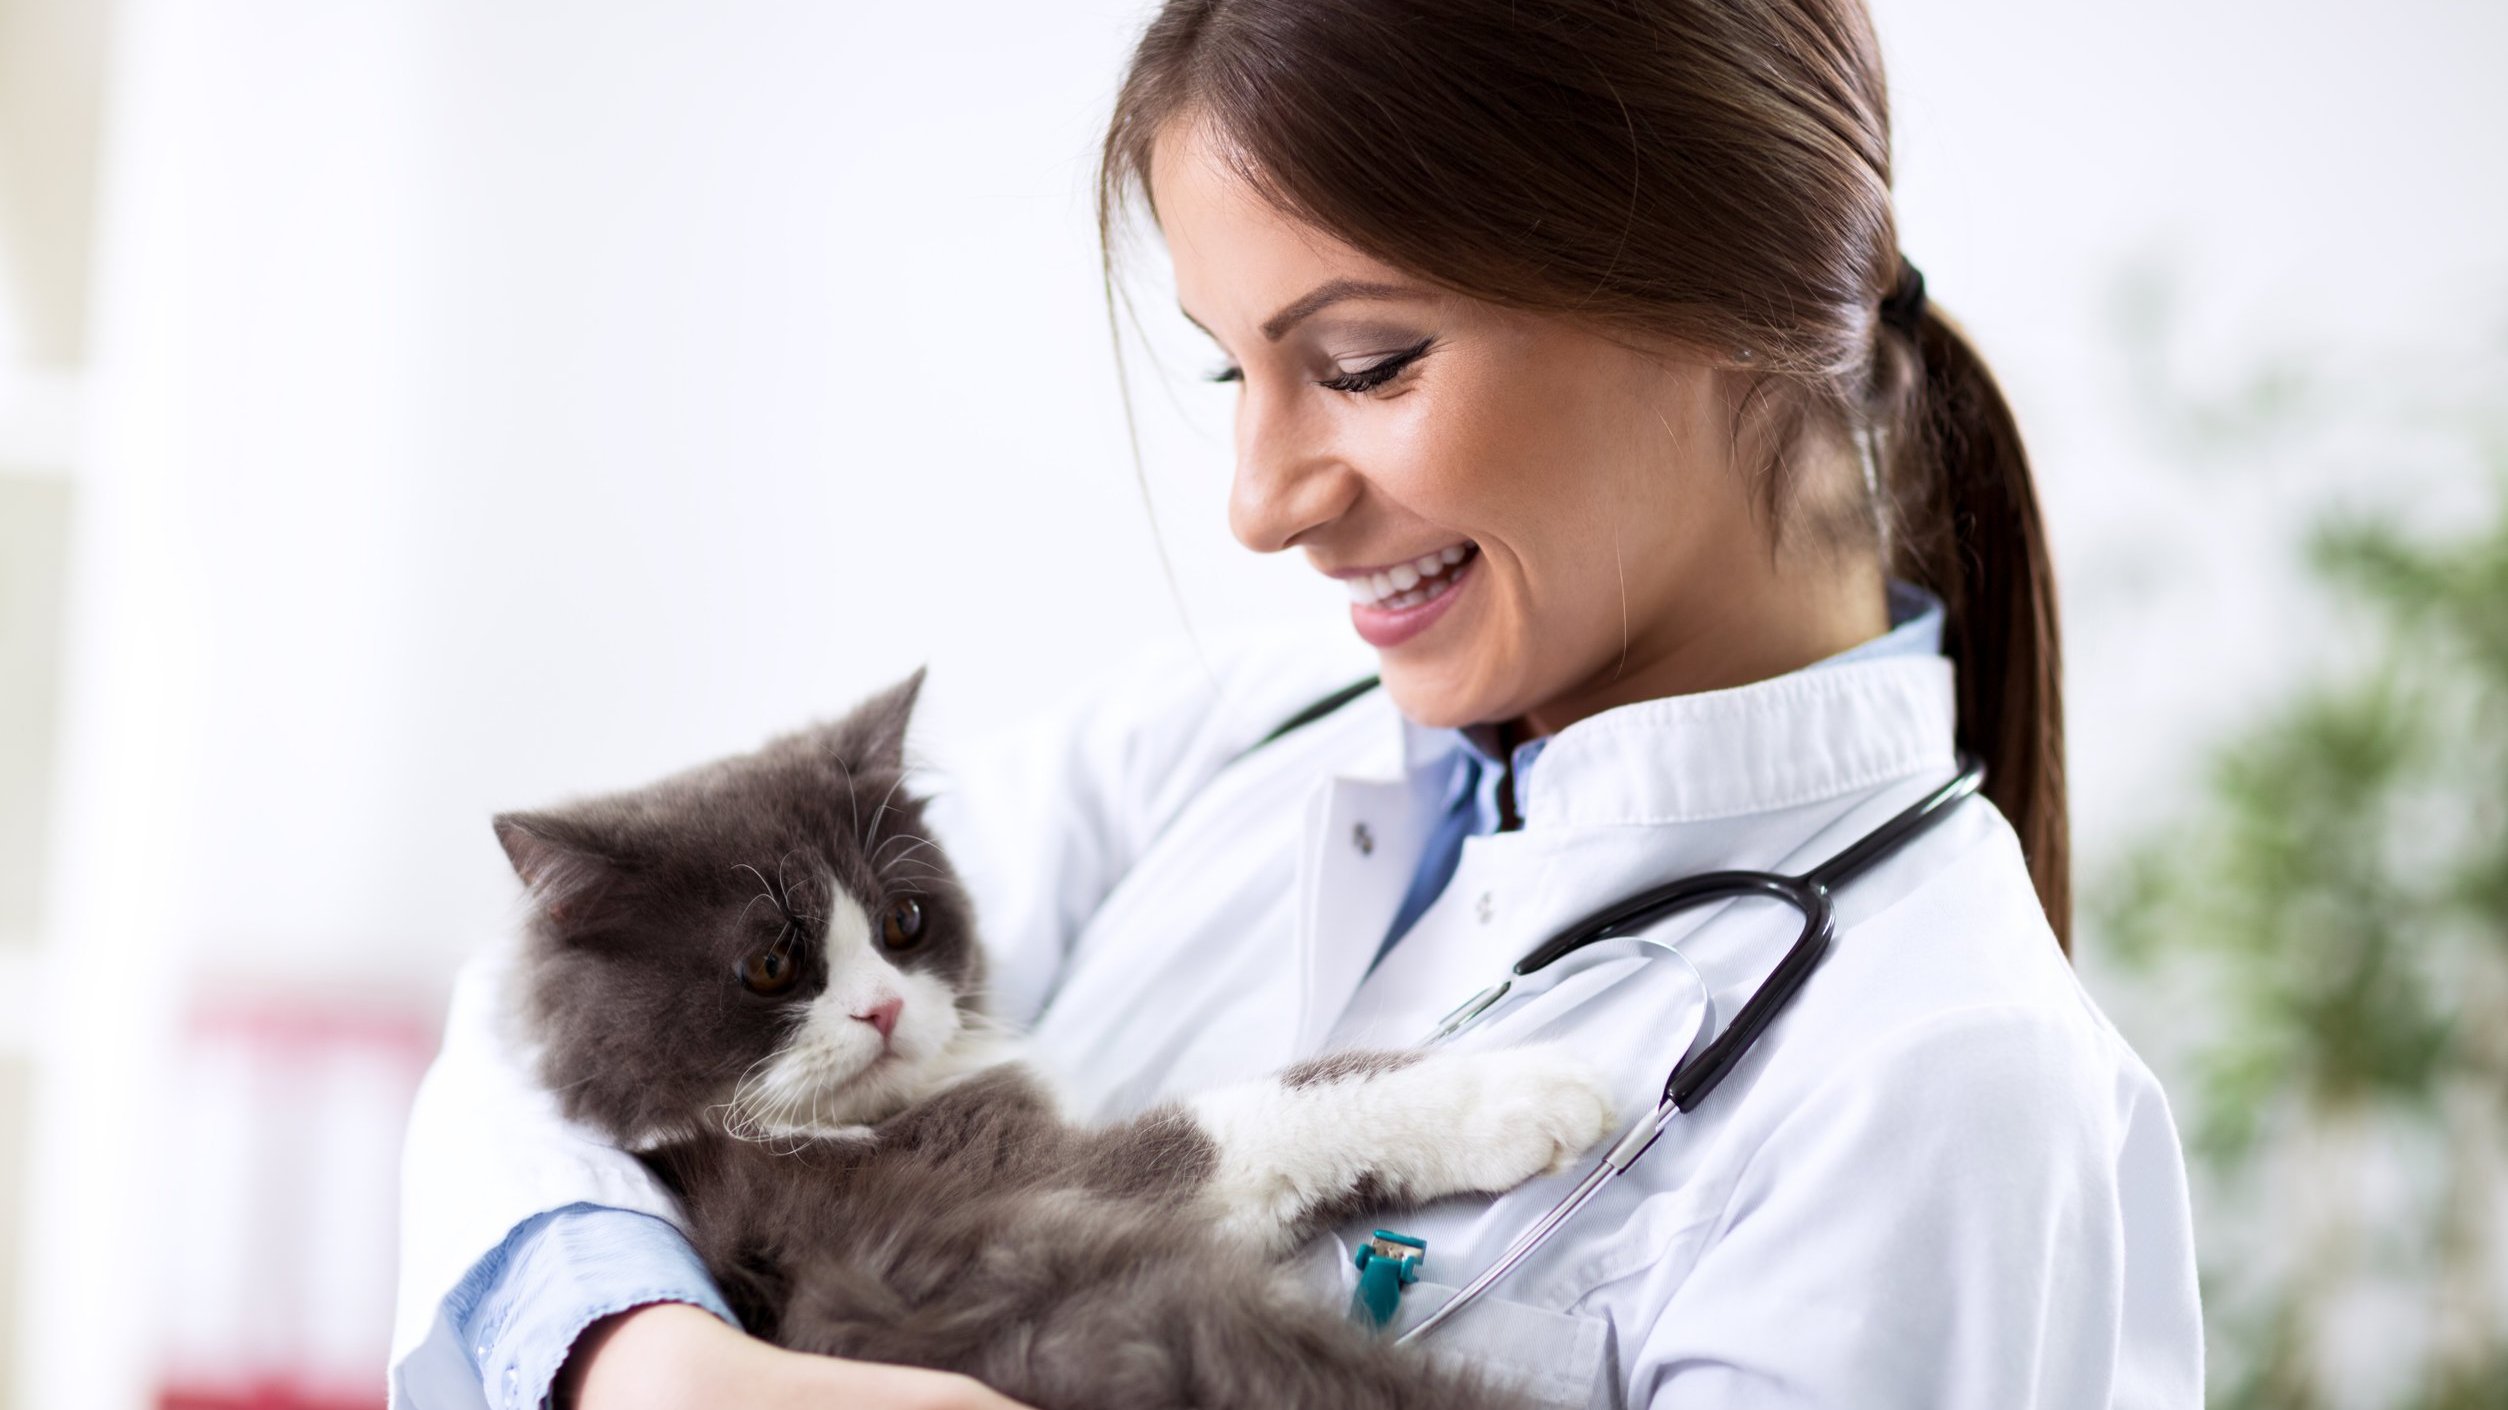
{"x": 1573, "y": 337}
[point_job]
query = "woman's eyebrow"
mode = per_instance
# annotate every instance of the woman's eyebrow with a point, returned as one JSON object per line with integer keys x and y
{"x": 1322, "y": 296}
{"x": 1331, "y": 291}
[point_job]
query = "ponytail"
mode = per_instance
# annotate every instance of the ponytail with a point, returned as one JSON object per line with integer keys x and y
{"x": 1968, "y": 528}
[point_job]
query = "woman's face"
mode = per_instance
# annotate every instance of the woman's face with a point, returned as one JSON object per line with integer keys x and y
{"x": 1533, "y": 520}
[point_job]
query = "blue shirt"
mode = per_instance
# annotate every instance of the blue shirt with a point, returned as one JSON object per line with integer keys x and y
{"x": 522, "y": 1306}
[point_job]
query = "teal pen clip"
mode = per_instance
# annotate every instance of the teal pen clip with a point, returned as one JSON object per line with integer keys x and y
{"x": 1387, "y": 1263}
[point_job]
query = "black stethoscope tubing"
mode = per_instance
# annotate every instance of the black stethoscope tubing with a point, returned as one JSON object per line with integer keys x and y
{"x": 1811, "y": 893}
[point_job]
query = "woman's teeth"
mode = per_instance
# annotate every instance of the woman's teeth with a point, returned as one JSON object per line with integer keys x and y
{"x": 1409, "y": 584}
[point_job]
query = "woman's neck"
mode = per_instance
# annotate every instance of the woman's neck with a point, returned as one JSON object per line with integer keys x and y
{"x": 1776, "y": 625}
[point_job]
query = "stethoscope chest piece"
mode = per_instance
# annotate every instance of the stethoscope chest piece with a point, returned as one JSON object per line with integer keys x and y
{"x": 1388, "y": 1262}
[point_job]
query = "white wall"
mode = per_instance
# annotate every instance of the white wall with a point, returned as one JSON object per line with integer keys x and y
{"x": 494, "y": 401}
{"x": 579, "y": 392}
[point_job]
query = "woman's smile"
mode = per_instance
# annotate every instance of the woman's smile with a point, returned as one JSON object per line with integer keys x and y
{"x": 1393, "y": 602}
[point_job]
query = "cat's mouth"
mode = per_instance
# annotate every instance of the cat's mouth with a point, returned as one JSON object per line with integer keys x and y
{"x": 796, "y": 1097}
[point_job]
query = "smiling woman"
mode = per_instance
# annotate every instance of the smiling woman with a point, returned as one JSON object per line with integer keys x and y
{"x": 1690, "y": 539}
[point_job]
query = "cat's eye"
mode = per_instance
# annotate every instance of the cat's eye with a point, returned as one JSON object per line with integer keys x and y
{"x": 902, "y": 927}
{"x": 770, "y": 971}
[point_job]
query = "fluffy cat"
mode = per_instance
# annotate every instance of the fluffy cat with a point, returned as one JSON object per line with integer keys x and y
{"x": 763, "y": 976}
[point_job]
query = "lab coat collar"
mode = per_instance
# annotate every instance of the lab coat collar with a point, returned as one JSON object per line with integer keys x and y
{"x": 1616, "y": 801}
{"x": 1799, "y": 738}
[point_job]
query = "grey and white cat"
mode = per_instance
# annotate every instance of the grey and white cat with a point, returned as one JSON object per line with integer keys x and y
{"x": 763, "y": 976}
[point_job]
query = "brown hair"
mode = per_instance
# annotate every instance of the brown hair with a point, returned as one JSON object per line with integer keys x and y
{"x": 1717, "y": 176}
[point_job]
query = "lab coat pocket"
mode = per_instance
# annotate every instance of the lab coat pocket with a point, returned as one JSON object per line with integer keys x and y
{"x": 1560, "y": 1360}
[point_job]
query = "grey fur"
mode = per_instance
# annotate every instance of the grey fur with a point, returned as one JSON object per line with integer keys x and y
{"x": 971, "y": 1230}
{"x": 1344, "y": 1067}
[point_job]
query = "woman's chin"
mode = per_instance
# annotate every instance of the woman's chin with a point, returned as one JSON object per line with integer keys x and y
{"x": 1439, "y": 694}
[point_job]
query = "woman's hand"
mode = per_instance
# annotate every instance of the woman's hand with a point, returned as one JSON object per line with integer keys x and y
{"x": 671, "y": 1356}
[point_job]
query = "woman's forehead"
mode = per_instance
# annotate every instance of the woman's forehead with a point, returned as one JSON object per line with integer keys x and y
{"x": 1242, "y": 264}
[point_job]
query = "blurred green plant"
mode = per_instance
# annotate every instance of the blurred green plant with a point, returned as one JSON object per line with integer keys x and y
{"x": 2336, "y": 898}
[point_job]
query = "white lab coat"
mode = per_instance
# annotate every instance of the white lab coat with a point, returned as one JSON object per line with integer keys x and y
{"x": 1941, "y": 1179}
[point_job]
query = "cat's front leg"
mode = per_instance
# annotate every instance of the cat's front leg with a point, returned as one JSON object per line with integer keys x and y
{"x": 1352, "y": 1131}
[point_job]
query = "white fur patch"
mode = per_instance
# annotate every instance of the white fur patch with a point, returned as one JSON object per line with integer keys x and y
{"x": 1450, "y": 1123}
{"x": 835, "y": 1072}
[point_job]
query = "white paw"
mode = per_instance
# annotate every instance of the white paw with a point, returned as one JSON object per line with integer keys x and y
{"x": 1531, "y": 1111}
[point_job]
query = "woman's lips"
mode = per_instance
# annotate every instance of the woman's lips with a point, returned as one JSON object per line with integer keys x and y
{"x": 1391, "y": 607}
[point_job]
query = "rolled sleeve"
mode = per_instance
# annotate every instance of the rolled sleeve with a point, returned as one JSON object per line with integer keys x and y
{"x": 522, "y": 1306}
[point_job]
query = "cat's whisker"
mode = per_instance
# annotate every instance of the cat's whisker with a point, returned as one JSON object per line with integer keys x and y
{"x": 883, "y": 809}
{"x": 918, "y": 839}
{"x": 753, "y": 1101}
{"x": 761, "y": 876}
{"x": 853, "y": 796}
{"x": 743, "y": 917}
{"x": 784, "y": 886}
{"x": 907, "y": 857}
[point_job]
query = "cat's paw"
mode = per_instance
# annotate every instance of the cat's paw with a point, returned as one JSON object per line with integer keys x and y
{"x": 1526, "y": 1112}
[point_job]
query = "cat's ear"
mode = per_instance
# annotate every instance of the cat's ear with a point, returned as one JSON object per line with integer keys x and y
{"x": 562, "y": 863}
{"x": 873, "y": 736}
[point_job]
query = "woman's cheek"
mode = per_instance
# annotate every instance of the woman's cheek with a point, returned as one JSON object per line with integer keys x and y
{"x": 1562, "y": 605}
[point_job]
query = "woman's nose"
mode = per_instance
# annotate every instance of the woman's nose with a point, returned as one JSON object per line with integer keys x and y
{"x": 1287, "y": 482}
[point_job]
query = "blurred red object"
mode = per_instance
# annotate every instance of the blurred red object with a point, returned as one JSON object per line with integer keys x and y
{"x": 269, "y": 1397}
{"x": 282, "y": 1209}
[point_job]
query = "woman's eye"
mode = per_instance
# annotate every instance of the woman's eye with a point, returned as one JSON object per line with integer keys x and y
{"x": 770, "y": 971}
{"x": 902, "y": 927}
{"x": 1379, "y": 372}
{"x": 1227, "y": 373}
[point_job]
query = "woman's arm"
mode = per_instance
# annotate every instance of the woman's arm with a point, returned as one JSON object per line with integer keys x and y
{"x": 674, "y": 1357}
{"x": 523, "y": 1310}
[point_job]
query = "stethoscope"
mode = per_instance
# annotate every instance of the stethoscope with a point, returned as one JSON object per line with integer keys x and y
{"x": 1710, "y": 1055}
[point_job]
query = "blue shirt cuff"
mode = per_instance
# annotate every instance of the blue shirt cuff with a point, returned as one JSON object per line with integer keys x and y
{"x": 521, "y": 1307}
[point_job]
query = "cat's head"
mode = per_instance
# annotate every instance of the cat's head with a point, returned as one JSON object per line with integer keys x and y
{"x": 770, "y": 944}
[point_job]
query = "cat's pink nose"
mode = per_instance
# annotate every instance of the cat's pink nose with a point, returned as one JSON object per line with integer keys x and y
{"x": 883, "y": 1015}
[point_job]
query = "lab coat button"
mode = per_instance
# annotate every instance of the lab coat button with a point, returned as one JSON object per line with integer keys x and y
{"x": 1363, "y": 840}
{"x": 1485, "y": 907}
